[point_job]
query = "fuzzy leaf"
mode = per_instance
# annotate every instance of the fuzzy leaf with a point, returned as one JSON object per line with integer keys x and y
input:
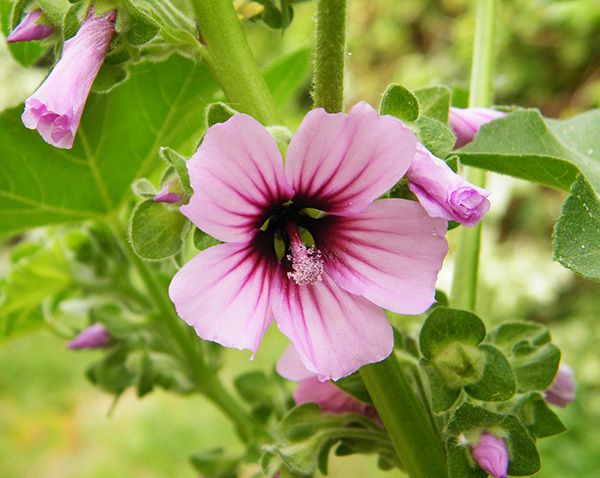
{"x": 400, "y": 102}
{"x": 497, "y": 382}
{"x": 577, "y": 232}
{"x": 434, "y": 102}
{"x": 539, "y": 419}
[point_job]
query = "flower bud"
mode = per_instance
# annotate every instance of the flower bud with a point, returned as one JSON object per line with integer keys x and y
{"x": 562, "y": 390}
{"x": 30, "y": 29}
{"x": 465, "y": 122}
{"x": 94, "y": 337}
{"x": 491, "y": 454}
{"x": 56, "y": 107}
{"x": 169, "y": 194}
{"x": 442, "y": 192}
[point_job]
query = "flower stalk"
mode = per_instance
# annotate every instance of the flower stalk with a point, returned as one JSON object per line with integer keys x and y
{"x": 464, "y": 285}
{"x": 330, "y": 56}
{"x": 230, "y": 59}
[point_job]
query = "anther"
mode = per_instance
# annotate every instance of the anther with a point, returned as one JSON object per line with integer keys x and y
{"x": 307, "y": 263}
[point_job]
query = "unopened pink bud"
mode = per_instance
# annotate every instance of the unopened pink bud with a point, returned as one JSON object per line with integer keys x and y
{"x": 562, "y": 390}
{"x": 465, "y": 122}
{"x": 491, "y": 454}
{"x": 94, "y": 337}
{"x": 442, "y": 192}
{"x": 56, "y": 107}
{"x": 30, "y": 28}
{"x": 168, "y": 195}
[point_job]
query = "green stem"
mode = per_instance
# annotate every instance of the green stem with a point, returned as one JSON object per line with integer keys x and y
{"x": 230, "y": 59}
{"x": 406, "y": 419}
{"x": 186, "y": 344}
{"x": 330, "y": 55}
{"x": 464, "y": 284}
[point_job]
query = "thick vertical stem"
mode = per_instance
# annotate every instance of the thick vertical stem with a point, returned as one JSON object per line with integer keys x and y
{"x": 464, "y": 285}
{"x": 330, "y": 55}
{"x": 406, "y": 419}
{"x": 231, "y": 61}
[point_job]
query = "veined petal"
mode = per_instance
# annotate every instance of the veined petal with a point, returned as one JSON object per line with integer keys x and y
{"x": 223, "y": 293}
{"x": 238, "y": 179}
{"x": 290, "y": 366}
{"x": 334, "y": 332}
{"x": 390, "y": 253}
{"x": 340, "y": 163}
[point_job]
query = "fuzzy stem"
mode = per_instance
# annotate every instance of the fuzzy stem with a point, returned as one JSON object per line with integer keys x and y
{"x": 464, "y": 284}
{"x": 230, "y": 59}
{"x": 406, "y": 419}
{"x": 330, "y": 55}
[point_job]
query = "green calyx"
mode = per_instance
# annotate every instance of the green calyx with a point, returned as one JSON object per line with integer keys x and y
{"x": 460, "y": 364}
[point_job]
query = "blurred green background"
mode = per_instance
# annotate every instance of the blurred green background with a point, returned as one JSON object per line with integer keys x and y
{"x": 54, "y": 424}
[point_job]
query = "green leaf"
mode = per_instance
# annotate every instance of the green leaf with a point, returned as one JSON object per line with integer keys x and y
{"x": 203, "y": 241}
{"x": 445, "y": 326}
{"x": 498, "y": 381}
{"x": 442, "y": 396}
{"x": 460, "y": 462}
{"x": 354, "y": 385}
{"x": 550, "y": 152}
{"x": 286, "y": 75}
{"x": 218, "y": 112}
{"x": 539, "y": 419}
{"x": 400, "y": 102}
{"x": 577, "y": 232}
{"x": 179, "y": 164}
{"x": 156, "y": 230}
{"x": 533, "y": 357}
{"x": 435, "y": 136}
{"x": 118, "y": 141}
{"x": 254, "y": 387}
{"x": 434, "y": 102}
{"x": 111, "y": 374}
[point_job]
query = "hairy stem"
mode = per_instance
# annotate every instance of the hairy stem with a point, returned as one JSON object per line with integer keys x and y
{"x": 231, "y": 61}
{"x": 186, "y": 344}
{"x": 330, "y": 55}
{"x": 464, "y": 285}
{"x": 406, "y": 419}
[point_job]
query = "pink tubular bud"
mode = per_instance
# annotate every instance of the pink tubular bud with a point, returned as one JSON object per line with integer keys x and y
{"x": 465, "y": 122}
{"x": 30, "y": 29}
{"x": 562, "y": 390}
{"x": 56, "y": 107}
{"x": 94, "y": 337}
{"x": 442, "y": 192}
{"x": 491, "y": 454}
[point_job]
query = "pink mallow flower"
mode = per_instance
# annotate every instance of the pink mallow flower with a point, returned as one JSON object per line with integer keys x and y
{"x": 310, "y": 389}
{"x": 491, "y": 454}
{"x": 562, "y": 390}
{"x": 94, "y": 337}
{"x": 55, "y": 108}
{"x": 465, "y": 122}
{"x": 327, "y": 297}
{"x": 442, "y": 192}
{"x": 30, "y": 28}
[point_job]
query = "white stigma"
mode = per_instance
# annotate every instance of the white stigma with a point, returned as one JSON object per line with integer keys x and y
{"x": 307, "y": 265}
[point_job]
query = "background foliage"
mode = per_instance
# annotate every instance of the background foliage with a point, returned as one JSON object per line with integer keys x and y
{"x": 53, "y": 423}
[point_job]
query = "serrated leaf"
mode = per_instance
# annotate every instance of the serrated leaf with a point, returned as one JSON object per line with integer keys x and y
{"x": 497, "y": 382}
{"x": 552, "y": 152}
{"x": 400, "y": 102}
{"x": 118, "y": 141}
{"x": 156, "y": 230}
{"x": 434, "y": 102}
{"x": 445, "y": 326}
{"x": 577, "y": 233}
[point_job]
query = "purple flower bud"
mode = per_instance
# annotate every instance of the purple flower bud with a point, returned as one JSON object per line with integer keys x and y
{"x": 442, "y": 192}
{"x": 30, "y": 29}
{"x": 562, "y": 390}
{"x": 465, "y": 122}
{"x": 491, "y": 454}
{"x": 56, "y": 107}
{"x": 94, "y": 337}
{"x": 168, "y": 194}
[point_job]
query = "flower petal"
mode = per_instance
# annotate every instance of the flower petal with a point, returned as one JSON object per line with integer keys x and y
{"x": 334, "y": 332}
{"x": 223, "y": 293}
{"x": 238, "y": 179}
{"x": 390, "y": 253}
{"x": 290, "y": 366}
{"x": 340, "y": 163}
